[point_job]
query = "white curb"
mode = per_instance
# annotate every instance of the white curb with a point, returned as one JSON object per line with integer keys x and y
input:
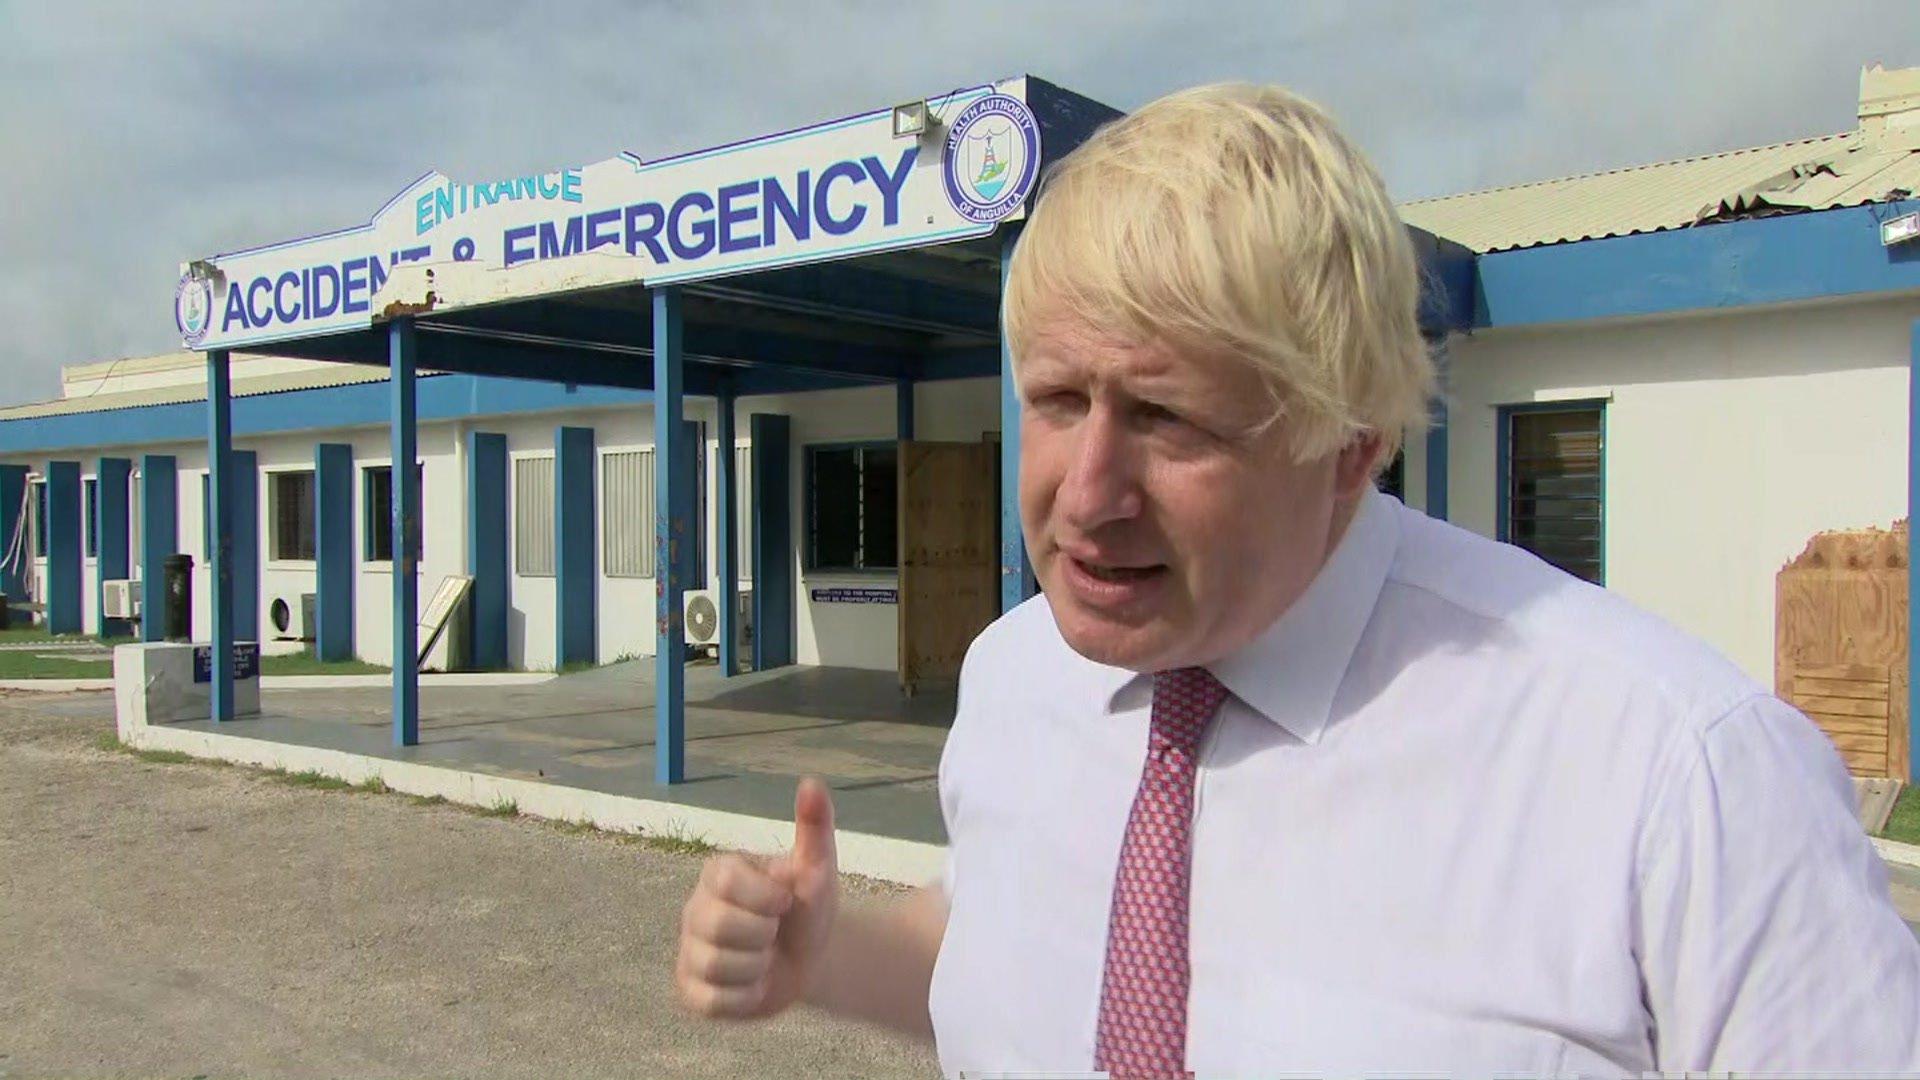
{"x": 1894, "y": 851}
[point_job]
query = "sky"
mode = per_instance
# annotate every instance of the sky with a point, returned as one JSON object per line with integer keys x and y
{"x": 139, "y": 135}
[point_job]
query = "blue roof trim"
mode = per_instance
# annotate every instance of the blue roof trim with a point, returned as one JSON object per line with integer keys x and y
{"x": 441, "y": 397}
{"x": 1810, "y": 256}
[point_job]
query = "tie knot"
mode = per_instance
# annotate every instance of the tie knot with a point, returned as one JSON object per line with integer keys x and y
{"x": 1184, "y": 700}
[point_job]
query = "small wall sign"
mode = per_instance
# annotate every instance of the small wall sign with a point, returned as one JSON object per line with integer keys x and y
{"x": 847, "y": 594}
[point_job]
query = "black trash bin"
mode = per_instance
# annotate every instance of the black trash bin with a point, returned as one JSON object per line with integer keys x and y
{"x": 177, "y": 591}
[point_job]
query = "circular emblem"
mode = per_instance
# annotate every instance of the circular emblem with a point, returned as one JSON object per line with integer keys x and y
{"x": 993, "y": 158}
{"x": 193, "y": 308}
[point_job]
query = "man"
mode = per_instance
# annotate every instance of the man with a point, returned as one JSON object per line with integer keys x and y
{"x": 1280, "y": 776}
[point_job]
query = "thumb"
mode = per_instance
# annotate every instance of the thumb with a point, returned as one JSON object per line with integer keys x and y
{"x": 813, "y": 845}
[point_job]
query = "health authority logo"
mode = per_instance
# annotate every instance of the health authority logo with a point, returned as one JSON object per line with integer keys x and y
{"x": 993, "y": 158}
{"x": 193, "y": 308}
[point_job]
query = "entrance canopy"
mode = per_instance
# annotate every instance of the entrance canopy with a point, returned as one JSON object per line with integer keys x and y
{"x": 864, "y": 250}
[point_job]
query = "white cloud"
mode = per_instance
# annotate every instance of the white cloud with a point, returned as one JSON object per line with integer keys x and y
{"x": 141, "y": 135}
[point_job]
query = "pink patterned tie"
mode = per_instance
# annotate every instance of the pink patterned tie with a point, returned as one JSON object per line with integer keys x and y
{"x": 1143, "y": 996}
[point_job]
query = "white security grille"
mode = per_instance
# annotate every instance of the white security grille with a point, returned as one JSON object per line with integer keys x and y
{"x": 533, "y": 516}
{"x": 626, "y": 514}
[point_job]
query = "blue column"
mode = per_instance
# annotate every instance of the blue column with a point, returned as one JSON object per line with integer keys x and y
{"x": 110, "y": 515}
{"x": 487, "y": 547}
{"x": 64, "y": 545}
{"x": 670, "y": 536}
{"x": 220, "y": 486}
{"x": 903, "y": 410}
{"x": 1016, "y": 574}
{"x": 333, "y": 551}
{"x": 771, "y": 528}
{"x": 575, "y": 585}
{"x": 159, "y": 538}
{"x": 406, "y": 534}
{"x": 13, "y": 519}
{"x": 246, "y": 545}
{"x": 1437, "y": 443}
{"x": 725, "y": 528}
{"x": 1913, "y": 575}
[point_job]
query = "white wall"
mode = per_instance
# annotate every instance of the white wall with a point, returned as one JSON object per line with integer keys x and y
{"x": 1730, "y": 440}
{"x": 854, "y": 635}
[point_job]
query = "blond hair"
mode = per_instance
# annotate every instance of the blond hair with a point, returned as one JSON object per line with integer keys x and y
{"x": 1237, "y": 219}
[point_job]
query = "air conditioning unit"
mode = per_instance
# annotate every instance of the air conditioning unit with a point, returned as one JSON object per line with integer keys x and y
{"x": 120, "y": 599}
{"x": 281, "y": 612}
{"x": 700, "y": 614}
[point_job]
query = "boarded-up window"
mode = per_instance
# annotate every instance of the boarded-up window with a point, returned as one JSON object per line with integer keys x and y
{"x": 533, "y": 516}
{"x": 290, "y": 497}
{"x": 1554, "y": 501}
{"x": 89, "y": 510}
{"x": 627, "y": 513}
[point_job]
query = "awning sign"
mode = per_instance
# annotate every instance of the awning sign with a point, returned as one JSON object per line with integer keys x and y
{"x": 837, "y": 189}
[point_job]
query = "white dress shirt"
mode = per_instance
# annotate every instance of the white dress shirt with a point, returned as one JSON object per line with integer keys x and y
{"x": 1463, "y": 814}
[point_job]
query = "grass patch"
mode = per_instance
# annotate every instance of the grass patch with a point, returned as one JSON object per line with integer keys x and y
{"x": 427, "y": 800}
{"x": 1904, "y": 824}
{"x": 305, "y": 662}
{"x": 678, "y": 842}
{"x": 16, "y": 664}
{"x": 27, "y": 633}
{"x": 315, "y": 779}
{"x": 372, "y": 785}
{"x": 501, "y": 808}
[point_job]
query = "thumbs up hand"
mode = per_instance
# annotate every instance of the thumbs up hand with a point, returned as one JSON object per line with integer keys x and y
{"x": 754, "y": 930}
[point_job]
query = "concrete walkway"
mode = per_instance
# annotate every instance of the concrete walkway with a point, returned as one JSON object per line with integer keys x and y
{"x": 749, "y": 738}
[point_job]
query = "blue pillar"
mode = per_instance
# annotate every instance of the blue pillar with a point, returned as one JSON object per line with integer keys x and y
{"x": 110, "y": 514}
{"x": 670, "y": 536}
{"x": 771, "y": 528}
{"x": 574, "y": 585}
{"x": 1016, "y": 574}
{"x": 246, "y": 545}
{"x": 487, "y": 547}
{"x": 159, "y": 538}
{"x": 406, "y": 537}
{"x": 903, "y": 410}
{"x": 726, "y": 526}
{"x": 64, "y": 544}
{"x": 220, "y": 485}
{"x": 1437, "y": 443}
{"x": 13, "y": 519}
{"x": 1913, "y": 575}
{"x": 333, "y": 551}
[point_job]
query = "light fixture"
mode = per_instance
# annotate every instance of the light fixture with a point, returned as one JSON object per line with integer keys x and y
{"x": 1899, "y": 230}
{"x": 204, "y": 270}
{"x": 909, "y": 120}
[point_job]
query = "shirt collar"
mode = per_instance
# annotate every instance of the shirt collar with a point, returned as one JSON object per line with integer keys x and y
{"x": 1291, "y": 671}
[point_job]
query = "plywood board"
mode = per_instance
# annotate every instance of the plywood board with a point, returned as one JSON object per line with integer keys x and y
{"x": 948, "y": 515}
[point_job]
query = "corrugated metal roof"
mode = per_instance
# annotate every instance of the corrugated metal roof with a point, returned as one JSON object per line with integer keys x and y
{"x": 1808, "y": 174}
{"x": 306, "y": 379}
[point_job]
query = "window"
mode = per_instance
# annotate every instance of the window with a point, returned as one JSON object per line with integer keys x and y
{"x": 1553, "y": 500}
{"x": 134, "y": 554}
{"x": 206, "y": 517}
{"x": 627, "y": 513}
{"x": 40, "y": 519}
{"x": 376, "y": 483}
{"x": 90, "y": 490}
{"x": 743, "y": 511}
{"x": 290, "y": 509}
{"x": 533, "y": 516}
{"x": 852, "y": 507}
{"x": 1393, "y": 478}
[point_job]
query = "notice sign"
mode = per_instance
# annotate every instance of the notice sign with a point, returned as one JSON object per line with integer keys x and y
{"x": 838, "y": 594}
{"x": 246, "y": 662}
